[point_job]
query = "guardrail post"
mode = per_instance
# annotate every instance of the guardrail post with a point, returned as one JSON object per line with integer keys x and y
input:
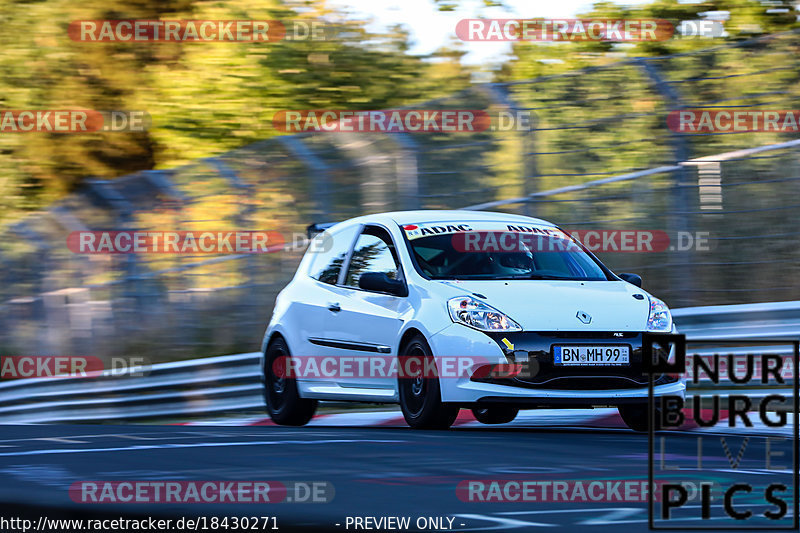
{"x": 679, "y": 217}
{"x": 406, "y": 164}
{"x": 46, "y": 338}
{"x": 530, "y": 177}
{"x": 123, "y": 213}
{"x": 320, "y": 177}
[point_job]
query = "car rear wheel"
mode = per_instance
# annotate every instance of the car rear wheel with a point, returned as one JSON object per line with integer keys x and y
{"x": 495, "y": 415}
{"x": 420, "y": 394}
{"x": 635, "y": 416}
{"x": 284, "y": 404}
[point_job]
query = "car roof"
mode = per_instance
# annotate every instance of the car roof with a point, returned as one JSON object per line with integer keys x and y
{"x": 453, "y": 215}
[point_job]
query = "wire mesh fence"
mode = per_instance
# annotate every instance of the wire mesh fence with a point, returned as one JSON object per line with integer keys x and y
{"x": 731, "y": 222}
{"x": 598, "y": 156}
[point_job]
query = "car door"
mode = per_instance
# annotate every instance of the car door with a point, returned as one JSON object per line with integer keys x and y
{"x": 319, "y": 304}
{"x": 369, "y": 323}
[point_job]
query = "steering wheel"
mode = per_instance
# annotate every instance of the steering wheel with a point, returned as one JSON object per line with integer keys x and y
{"x": 426, "y": 267}
{"x": 457, "y": 263}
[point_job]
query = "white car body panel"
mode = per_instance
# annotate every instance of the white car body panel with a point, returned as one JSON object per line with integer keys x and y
{"x": 551, "y": 305}
{"x": 375, "y": 319}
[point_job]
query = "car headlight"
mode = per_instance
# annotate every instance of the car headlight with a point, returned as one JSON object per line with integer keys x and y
{"x": 475, "y": 314}
{"x": 660, "y": 318}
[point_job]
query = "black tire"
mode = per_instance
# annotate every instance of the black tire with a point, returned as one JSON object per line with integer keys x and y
{"x": 635, "y": 416}
{"x": 421, "y": 397}
{"x": 495, "y": 415}
{"x": 283, "y": 401}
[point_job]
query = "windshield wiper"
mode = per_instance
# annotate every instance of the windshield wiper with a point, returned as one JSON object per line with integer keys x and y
{"x": 499, "y": 277}
{"x": 467, "y": 277}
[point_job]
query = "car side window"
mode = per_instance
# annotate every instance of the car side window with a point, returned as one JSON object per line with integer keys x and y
{"x": 374, "y": 252}
{"x": 327, "y": 263}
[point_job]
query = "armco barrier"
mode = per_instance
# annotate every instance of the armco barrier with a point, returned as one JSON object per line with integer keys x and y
{"x": 748, "y": 321}
{"x": 170, "y": 390}
{"x": 232, "y": 383}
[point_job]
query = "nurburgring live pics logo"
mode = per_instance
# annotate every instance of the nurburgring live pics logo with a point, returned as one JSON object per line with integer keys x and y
{"x": 736, "y": 369}
{"x": 764, "y": 501}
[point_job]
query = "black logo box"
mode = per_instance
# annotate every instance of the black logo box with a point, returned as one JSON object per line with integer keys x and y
{"x": 654, "y": 363}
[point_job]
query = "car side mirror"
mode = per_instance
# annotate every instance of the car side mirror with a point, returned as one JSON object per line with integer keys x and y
{"x": 380, "y": 282}
{"x": 633, "y": 279}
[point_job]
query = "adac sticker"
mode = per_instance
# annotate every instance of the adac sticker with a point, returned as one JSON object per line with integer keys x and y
{"x": 412, "y": 231}
{"x": 415, "y": 231}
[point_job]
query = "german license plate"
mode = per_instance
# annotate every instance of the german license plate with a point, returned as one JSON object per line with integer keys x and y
{"x": 586, "y": 355}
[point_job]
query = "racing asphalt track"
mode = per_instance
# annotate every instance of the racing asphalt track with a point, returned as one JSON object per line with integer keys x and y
{"x": 375, "y": 471}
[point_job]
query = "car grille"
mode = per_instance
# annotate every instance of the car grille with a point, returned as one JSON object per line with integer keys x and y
{"x": 541, "y": 373}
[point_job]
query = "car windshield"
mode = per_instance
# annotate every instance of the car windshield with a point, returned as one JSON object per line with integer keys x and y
{"x": 492, "y": 251}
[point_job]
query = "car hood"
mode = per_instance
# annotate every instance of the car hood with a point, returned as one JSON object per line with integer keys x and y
{"x": 545, "y": 305}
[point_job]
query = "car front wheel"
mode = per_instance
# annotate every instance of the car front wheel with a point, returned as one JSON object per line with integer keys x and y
{"x": 495, "y": 415}
{"x": 284, "y": 404}
{"x": 635, "y": 416}
{"x": 420, "y": 395}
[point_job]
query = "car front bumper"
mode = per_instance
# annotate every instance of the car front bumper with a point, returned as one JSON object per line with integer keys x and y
{"x": 541, "y": 383}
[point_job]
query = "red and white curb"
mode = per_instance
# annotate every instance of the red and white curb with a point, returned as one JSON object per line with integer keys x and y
{"x": 545, "y": 418}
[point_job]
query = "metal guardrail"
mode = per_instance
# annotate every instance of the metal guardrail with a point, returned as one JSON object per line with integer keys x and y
{"x": 169, "y": 390}
{"x": 774, "y": 320}
{"x": 232, "y": 383}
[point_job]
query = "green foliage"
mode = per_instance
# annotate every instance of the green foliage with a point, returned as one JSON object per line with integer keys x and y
{"x": 609, "y": 115}
{"x": 203, "y": 98}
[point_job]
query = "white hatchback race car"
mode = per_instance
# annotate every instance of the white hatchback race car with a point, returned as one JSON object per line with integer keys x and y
{"x": 444, "y": 310}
